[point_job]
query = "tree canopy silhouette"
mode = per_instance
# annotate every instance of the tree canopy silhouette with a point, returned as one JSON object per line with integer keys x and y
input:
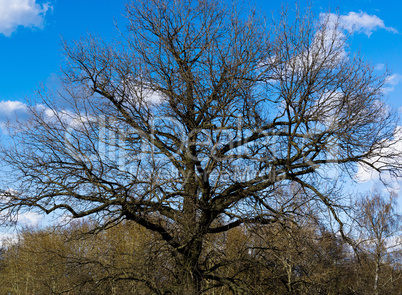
{"x": 192, "y": 121}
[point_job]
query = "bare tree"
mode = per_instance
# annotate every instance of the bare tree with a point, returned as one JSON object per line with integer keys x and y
{"x": 380, "y": 226}
{"x": 191, "y": 120}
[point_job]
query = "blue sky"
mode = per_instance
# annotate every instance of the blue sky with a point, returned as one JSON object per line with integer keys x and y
{"x": 30, "y": 50}
{"x": 31, "y": 32}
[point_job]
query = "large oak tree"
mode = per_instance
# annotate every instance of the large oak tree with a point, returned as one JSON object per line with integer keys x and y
{"x": 191, "y": 121}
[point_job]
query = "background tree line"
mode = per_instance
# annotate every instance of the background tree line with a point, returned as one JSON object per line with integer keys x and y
{"x": 290, "y": 257}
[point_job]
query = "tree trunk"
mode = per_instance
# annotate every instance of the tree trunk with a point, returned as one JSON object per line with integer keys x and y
{"x": 377, "y": 274}
{"x": 191, "y": 274}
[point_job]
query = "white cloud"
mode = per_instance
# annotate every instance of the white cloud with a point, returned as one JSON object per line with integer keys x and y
{"x": 379, "y": 67}
{"x": 365, "y": 173}
{"x": 11, "y": 110}
{"x": 390, "y": 147}
{"x": 362, "y": 22}
{"x": 357, "y": 22}
{"x": 141, "y": 93}
{"x": 394, "y": 243}
{"x": 30, "y": 218}
{"x": 26, "y": 13}
{"x": 10, "y": 107}
{"x": 8, "y": 237}
{"x": 393, "y": 79}
{"x": 391, "y": 82}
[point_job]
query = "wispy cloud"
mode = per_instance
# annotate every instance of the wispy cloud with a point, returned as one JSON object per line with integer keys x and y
{"x": 394, "y": 79}
{"x": 26, "y": 13}
{"x": 391, "y": 82}
{"x": 358, "y": 22}
{"x": 30, "y": 218}
{"x": 392, "y": 147}
{"x": 11, "y": 110}
{"x": 361, "y": 22}
{"x": 379, "y": 67}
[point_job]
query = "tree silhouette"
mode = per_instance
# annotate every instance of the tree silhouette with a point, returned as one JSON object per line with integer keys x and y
{"x": 191, "y": 121}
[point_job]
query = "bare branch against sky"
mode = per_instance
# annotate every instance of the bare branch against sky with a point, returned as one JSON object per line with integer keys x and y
{"x": 194, "y": 120}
